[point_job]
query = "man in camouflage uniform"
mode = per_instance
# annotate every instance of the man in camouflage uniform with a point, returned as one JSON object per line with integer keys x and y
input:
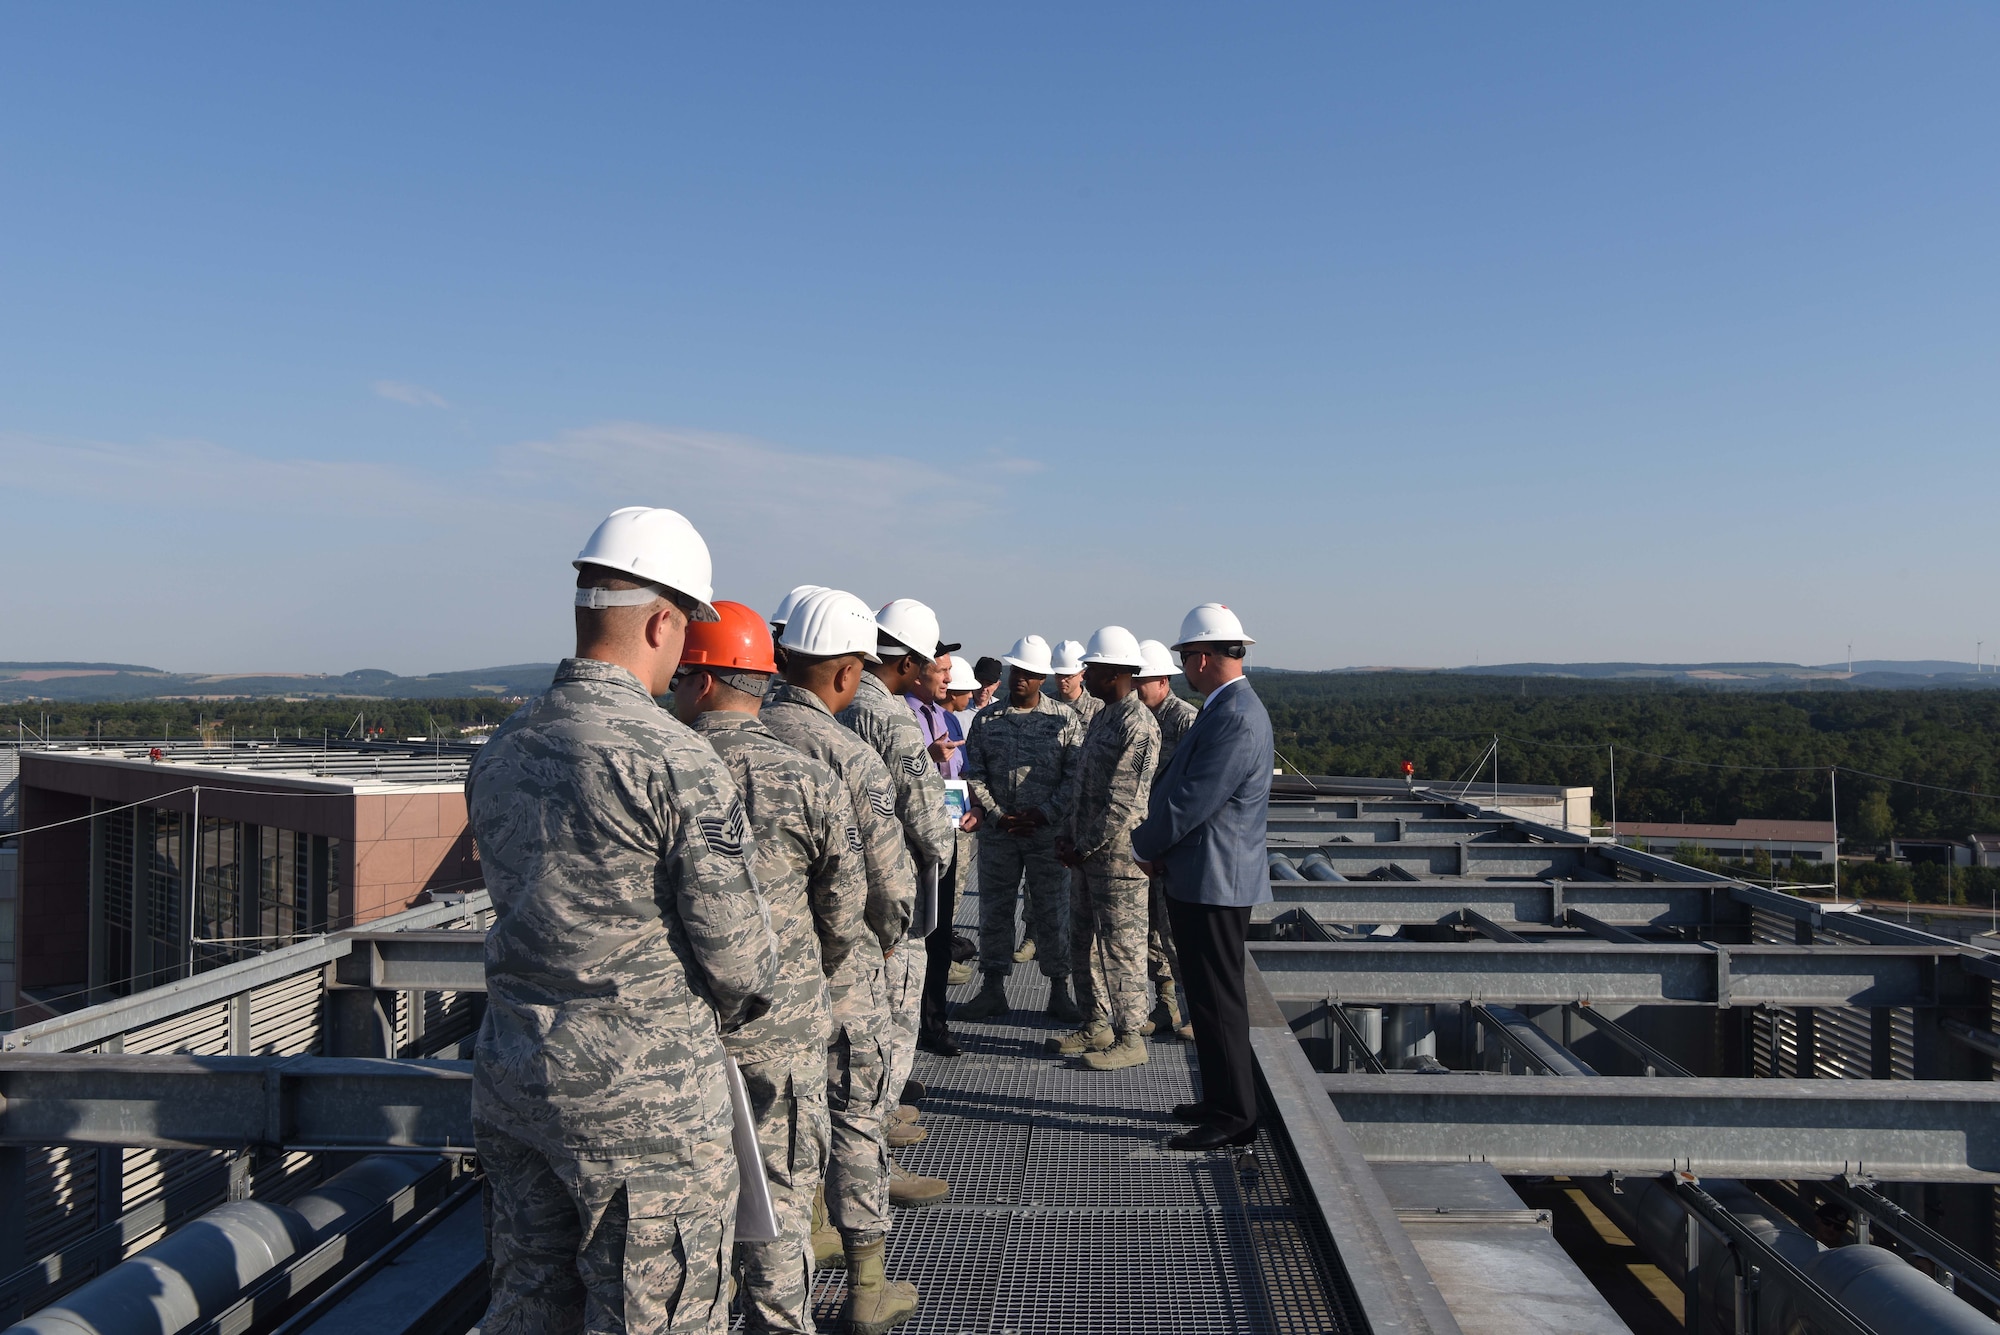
{"x": 1175, "y": 716}
{"x": 879, "y": 717}
{"x": 1019, "y": 758}
{"x": 1107, "y": 919}
{"x": 809, "y": 863}
{"x": 628, "y": 935}
{"x": 799, "y": 711}
{"x": 1065, "y": 683}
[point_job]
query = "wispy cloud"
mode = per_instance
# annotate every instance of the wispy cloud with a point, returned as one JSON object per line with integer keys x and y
{"x": 723, "y": 476}
{"x": 416, "y": 396}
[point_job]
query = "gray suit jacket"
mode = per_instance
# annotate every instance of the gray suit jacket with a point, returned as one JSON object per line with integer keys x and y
{"x": 1208, "y": 809}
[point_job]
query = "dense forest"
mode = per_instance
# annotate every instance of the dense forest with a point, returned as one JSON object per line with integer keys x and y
{"x": 1683, "y": 753}
{"x": 221, "y": 720}
{"x": 1692, "y": 753}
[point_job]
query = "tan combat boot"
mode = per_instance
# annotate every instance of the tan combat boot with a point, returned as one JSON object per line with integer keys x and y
{"x": 828, "y": 1254}
{"x": 910, "y": 1191}
{"x": 1166, "y": 1017}
{"x": 1129, "y": 1050}
{"x": 906, "y": 1113}
{"x": 1026, "y": 952}
{"x": 901, "y": 1135}
{"x": 959, "y": 973}
{"x": 875, "y": 1303}
{"x": 1093, "y": 1037}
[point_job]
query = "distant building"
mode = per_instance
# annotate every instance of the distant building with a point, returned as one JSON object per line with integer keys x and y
{"x": 167, "y": 860}
{"x": 1985, "y": 849}
{"x": 1785, "y": 841}
{"x": 1940, "y": 851}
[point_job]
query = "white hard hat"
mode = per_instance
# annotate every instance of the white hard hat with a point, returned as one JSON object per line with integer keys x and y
{"x": 1211, "y": 623}
{"x": 1159, "y": 661}
{"x": 792, "y": 599}
{"x": 914, "y": 626}
{"x": 1030, "y": 654}
{"x": 1116, "y": 646}
{"x": 1068, "y": 659}
{"x": 828, "y": 623}
{"x": 654, "y": 547}
{"x": 961, "y": 675}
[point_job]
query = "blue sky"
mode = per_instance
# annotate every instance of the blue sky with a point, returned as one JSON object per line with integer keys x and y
{"x": 1421, "y": 336}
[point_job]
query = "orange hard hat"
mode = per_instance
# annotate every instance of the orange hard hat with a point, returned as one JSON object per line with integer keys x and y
{"x": 736, "y": 641}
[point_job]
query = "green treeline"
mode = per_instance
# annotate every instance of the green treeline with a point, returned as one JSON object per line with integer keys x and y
{"x": 1551, "y": 730}
{"x": 249, "y": 719}
{"x": 1560, "y": 731}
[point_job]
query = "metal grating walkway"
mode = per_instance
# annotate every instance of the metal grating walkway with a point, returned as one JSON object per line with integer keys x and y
{"x": 1068, "y": 1214}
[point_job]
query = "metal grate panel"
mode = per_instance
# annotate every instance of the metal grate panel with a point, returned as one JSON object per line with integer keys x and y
{"x": 1068, "y": 1213}
{"x": 953, "y": 1257}
{"x": 1186, "y": 1271}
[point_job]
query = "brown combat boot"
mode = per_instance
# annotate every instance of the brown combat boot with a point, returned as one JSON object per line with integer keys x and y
{"x": 910, "y": 1191}
{"x": 1129, "y": 1050}
{"x": 1093, "y": 1037}
{"x": 828, "y": 1253}
{"x": 875, "y": 1303}
{"x": 901, "y": 1135}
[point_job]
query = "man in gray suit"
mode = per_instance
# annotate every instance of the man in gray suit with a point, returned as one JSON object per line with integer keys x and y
{"x": 1204, "y": 834}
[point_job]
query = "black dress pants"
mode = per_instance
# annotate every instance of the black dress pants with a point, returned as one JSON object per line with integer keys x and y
{"x": 1210, "y": 940}
{"x": 937, "y": 956}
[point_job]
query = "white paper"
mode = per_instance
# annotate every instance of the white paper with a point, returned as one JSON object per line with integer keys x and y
{"x": 756, "y": 1218}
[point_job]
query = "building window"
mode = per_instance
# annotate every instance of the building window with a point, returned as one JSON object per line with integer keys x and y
{"x": 218, "y": 895}
{"x": 162, "y": 831}
{"x": 118, "y": 905}
{"x": 284, "y": 888}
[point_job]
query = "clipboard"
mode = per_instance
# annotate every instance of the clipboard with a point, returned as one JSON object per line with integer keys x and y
{"x": 756, "y": 1217}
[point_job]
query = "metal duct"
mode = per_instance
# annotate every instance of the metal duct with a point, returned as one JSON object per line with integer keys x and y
{"x": 204, "y": 1266}
{"x": 1283, "y": 870}
{"x": 1317, "y": 868}
{"x": 1878, "y": 1286}
{"x": 1557, "y": 1058}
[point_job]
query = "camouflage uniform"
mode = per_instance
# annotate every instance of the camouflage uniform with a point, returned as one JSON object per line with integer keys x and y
{"x": 857, "y": 1059}
{"x": 1085, "y": 706}
{"x": 1107, "y": 917}
{"x": 1175, "y": 716}
{"x": 1016, "y": 761}
{"x": 809, "y": 863}
{"x": 628, "y": 934}
{"x": 885, "y": 723}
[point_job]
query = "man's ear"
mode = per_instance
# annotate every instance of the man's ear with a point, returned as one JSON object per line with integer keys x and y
{"x": 661, "y": 625}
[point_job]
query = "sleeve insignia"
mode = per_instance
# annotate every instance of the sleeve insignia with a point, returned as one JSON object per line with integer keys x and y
{"x": 724, "y": 835}
{"x": 884, "y": 804}
{"x": 854, "y": 844}
{"x": 913, "y": 766}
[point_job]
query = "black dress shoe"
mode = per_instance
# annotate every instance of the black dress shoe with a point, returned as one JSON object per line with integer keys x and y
{"x": 1211, "y": 1138}
{"x": 940, "y": 1045}
{"x": 1197, "y": 1112}
{"x": 913, "y": 1092}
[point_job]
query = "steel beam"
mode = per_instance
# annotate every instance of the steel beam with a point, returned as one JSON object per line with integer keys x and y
{"x": 1905, "y": 1130}
{"x": 1463, "y": 857}
{"x": 427, "y": 961}
{"x": 1521, "y": 903}
{"x": 1607, "y": 973}
{"x": 177, "y": 1101}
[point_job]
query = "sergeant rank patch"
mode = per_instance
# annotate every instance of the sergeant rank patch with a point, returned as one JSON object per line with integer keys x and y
{"x": 724, "y": 835}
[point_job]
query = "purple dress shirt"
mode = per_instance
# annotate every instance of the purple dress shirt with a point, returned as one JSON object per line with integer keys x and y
{"x": 939, "y": 722}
